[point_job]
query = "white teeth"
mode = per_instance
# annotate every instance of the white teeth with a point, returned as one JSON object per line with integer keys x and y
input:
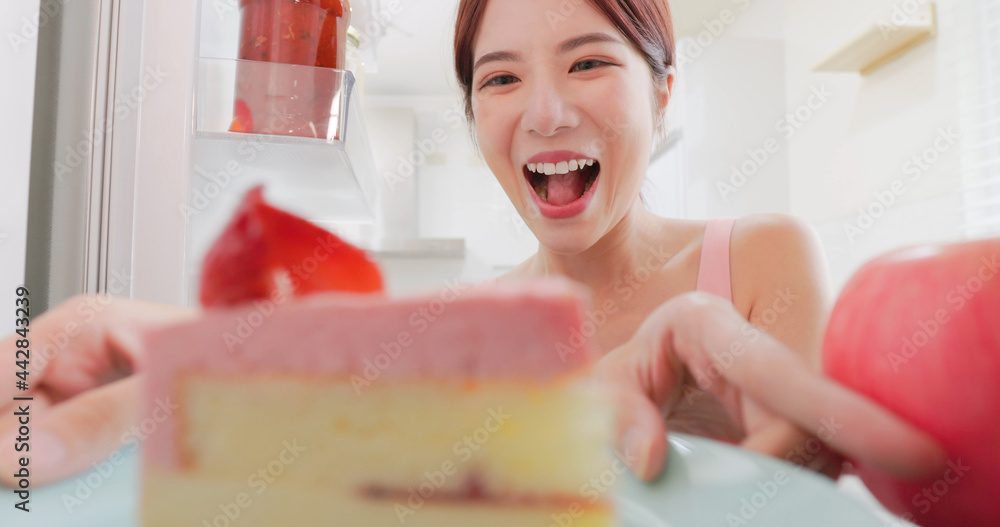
{"x": 563, "y": 167}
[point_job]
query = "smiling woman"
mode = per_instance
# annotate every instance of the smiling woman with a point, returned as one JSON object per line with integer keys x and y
{"x": 565, "y": 98}
{"x": 589, "y": 87}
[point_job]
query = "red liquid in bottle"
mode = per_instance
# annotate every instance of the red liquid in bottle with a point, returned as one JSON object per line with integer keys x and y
{"x": 283, "y": 100}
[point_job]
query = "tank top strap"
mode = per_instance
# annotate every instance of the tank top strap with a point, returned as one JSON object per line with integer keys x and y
{"x": 714, "y": 274}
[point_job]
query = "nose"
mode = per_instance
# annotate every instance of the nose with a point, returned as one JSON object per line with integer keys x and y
{"x": 548, "y": 111}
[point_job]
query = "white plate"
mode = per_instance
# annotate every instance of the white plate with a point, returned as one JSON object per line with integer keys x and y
{"x": 709, "y": 484}
{"x": 706, "y": 484}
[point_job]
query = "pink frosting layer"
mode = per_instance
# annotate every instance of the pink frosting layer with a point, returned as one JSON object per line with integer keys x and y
{"x": 531, "y": 331}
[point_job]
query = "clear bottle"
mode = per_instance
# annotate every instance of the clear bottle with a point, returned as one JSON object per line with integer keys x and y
{"x": 279, "y": 100}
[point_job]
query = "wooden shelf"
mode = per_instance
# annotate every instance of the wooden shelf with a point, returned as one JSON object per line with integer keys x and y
{"x": 882, "y": 43}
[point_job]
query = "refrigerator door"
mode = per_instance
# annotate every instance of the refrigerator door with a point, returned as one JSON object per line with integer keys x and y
{"x": 87, "y": 98}
{"x": 163, "y": 163}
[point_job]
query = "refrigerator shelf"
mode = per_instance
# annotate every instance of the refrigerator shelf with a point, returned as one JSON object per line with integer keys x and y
{"x": 317, "y": 179}
{"x": 326, "y": 178}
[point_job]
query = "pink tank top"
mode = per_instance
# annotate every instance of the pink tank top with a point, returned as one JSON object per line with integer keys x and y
{"x": 714, "y": 277}
{"x": 714, "y": 271}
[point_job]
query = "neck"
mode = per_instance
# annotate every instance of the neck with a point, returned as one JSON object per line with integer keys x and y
{"x": 625, "y": 249}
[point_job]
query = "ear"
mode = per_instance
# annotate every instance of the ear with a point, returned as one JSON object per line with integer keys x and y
{"x": 665, "y": 93}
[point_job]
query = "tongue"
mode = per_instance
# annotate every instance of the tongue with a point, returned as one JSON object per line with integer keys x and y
{"x": 565, "y": 188}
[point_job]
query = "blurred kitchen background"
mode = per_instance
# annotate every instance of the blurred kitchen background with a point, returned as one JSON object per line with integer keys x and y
{"x": 877, "y": 121}
{"x": 747, "y": 76}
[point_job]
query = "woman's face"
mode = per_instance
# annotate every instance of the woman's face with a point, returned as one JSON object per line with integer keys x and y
{"x": 552, "y": 89}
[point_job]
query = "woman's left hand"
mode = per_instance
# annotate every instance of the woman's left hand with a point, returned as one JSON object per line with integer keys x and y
{"x": 787, "y": 409}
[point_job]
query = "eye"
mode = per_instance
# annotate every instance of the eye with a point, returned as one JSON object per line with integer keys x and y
{"x": 500, "y": 80}
{"x": 589, "y": 64}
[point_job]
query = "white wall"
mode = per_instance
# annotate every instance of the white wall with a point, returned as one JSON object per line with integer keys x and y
{"x": 19, "y": 24}
{"x": 460, "y": 197}
{"x": 853, "y": 137}
{"x": 875, "y": 124}
{"x": 736, "y": 158}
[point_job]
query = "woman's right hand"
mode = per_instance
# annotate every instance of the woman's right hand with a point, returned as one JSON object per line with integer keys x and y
{"x": 696, "y": 332}
{"x": 83, "y": 355}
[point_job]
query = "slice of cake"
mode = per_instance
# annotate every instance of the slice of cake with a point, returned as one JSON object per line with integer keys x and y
{"x": 469, "y": 407}
{"x": 352, "y": 411}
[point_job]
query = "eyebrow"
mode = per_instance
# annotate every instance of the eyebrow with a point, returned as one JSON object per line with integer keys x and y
{"x": 589, "y": 38}
{"x": 497, "y": 56}
{"x": 565, "y": 47}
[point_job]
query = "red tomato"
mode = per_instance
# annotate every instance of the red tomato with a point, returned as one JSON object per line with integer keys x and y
{"x": 264, "y": 250}
{"x": 918, "y": 331}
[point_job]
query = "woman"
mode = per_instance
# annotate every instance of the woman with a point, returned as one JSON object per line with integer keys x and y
{"x": 565, "y": 104}
{"x": 549, "y": 86}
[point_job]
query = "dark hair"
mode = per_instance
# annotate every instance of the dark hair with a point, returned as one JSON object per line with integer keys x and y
{"x": 647, "y": 24}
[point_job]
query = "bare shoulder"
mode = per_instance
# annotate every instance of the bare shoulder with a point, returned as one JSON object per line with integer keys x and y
{"x": 777, "y": 252}
{"x": 774, "y": 236}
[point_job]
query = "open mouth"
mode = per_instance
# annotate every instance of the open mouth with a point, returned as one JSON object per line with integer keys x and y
{"x": 560, "y": 184}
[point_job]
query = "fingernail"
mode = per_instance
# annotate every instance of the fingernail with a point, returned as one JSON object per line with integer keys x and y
{"x": 635, "y": 443}
{"x": 47, "y": 451}
{"x": 656, "y": 461}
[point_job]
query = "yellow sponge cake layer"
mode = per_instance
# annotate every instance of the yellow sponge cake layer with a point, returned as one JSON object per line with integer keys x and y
{"x": 419, "y": 453}
{"x": 504, "y": 435}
